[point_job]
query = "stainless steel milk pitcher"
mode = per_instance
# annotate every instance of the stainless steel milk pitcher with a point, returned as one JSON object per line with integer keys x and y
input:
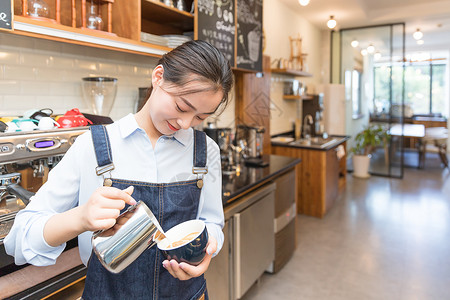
{"x": 135, "y": 230}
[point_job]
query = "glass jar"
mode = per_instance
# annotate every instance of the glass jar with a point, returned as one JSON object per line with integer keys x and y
{"x": 38, "y": 8}
{"x": 94, "y": 21}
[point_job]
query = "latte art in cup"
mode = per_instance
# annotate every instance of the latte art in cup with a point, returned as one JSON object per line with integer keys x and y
{"x": 184, "y": 240}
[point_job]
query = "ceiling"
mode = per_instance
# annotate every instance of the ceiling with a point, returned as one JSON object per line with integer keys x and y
{"x": 431, "y": 16}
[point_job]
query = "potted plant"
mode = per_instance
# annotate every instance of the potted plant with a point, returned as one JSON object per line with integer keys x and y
{"x": 365, "y": 143}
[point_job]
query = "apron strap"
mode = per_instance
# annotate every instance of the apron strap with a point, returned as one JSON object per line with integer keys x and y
{"x": 102, "y": 149}
{"x": 199, "y": 149}
{"x": 200, "y": 152}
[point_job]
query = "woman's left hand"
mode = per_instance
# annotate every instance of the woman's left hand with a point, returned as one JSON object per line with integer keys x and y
{"x": 184, "y": 271}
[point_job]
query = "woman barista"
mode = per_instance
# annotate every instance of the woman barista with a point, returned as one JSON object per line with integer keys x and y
{"x": 153, "y": 153}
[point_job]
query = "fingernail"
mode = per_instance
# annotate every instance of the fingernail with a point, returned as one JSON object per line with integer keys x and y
{"x": 164, "y": 265}
{"x": 181, "y": 266}
{"x": 133, "y": 202}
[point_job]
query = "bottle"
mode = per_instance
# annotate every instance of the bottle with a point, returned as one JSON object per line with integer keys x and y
{"x": 94, "y": 21}
{"x": 38, "y": 8}
{"x": 317, "y": 124}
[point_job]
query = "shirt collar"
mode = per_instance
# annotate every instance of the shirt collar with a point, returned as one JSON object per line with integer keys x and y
{"x": 183, "y": 136}
{"x": 128, "y": 125}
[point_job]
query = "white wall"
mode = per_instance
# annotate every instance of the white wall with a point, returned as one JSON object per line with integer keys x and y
{"x": 280, "y": 22}
{"x": 36, "y": 73}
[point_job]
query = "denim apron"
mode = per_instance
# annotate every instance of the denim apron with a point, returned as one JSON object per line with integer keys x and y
{"x": 171, "y": 203}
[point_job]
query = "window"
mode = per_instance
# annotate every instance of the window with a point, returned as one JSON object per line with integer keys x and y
{"x": 352, "y": 83}
{"x": 425, "y": 85}
{"x": 356, "y": 94}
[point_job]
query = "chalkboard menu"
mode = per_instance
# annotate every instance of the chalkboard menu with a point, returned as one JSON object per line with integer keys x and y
{"x": 249, "y": 35}
{"x": 216, "y": 25}
{"x": 6, "y": 14}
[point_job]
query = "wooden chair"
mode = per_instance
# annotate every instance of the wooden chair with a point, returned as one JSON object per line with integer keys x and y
{"x": 435, "y": 140}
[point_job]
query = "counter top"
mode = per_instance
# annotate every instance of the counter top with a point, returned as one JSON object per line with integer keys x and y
{"x": 248, "y": 178}
{"x": 314, "y": 143}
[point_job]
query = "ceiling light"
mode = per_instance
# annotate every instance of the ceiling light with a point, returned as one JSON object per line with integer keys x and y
{"x": 331, "y": 22}
{"x": 303, "y": 2}
{"x": 355, "y": 43}
{"x": 420, "y": 42}
{"x": 364, "y": 52}
{"x": 418, "y": 34}
{"x": 377, "y": 55}
{"x": 370, "y": 49}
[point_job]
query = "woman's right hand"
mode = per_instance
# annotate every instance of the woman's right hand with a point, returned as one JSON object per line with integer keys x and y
{"x": 103, "y": 207}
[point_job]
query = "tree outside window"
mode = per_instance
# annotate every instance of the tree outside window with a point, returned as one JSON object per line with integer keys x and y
{"x": 425, "y": 85}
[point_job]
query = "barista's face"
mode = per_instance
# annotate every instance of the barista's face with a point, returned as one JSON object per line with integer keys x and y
{"x": 170, "y": 111}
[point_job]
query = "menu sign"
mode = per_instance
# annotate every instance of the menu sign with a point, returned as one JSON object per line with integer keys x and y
{"x": 216, "y": 25}
{"x": 6, "y": 14}
{"x": 249, "y": 34}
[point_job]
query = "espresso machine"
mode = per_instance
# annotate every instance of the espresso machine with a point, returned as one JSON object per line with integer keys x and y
{"x": 25, "y": 160}
{"x": 223, "y": 138}
{"x": 250, "y": 139}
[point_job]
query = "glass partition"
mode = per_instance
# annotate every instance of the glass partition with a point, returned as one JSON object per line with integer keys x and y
{"x": 372, "y": 70}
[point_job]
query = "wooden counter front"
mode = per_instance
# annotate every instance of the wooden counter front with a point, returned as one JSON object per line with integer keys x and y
{"x": 321, "y": 176}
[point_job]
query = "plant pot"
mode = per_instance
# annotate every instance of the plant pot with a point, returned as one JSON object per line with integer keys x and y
{"x": 361, "y": 165}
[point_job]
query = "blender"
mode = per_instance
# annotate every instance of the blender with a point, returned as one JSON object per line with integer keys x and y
{"x": 99, "y": 94}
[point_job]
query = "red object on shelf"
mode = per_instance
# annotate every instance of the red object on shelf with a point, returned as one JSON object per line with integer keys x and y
{"x": 73, "y": 118}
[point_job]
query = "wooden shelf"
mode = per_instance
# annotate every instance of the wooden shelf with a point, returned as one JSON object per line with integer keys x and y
{"x": 296, "y": 97}
{"x": 57, "y": 32}
{"x": 292, "y": 72}
{"x": 158, "y": 18}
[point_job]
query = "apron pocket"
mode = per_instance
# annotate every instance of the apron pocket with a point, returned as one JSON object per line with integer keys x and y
{"x": 202, "y": 293}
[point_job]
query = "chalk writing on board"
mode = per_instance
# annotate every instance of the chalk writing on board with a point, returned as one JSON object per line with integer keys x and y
{"x": 216, "y": 25}
{"x": 206, "y": 7}
{"x": 249, "y": 34}
{"x": 6, "y": 12}
{"x": 3, "y": 17}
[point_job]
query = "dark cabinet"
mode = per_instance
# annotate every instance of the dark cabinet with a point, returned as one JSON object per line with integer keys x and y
{"x": 284, "y": 221}
{"x": 218, "y": 275}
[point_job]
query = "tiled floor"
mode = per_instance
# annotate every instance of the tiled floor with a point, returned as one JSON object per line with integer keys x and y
{"x": 384, "y": 239}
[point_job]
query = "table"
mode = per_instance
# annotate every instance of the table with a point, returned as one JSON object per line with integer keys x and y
{"x": 410, "y": 131}
{"x": 436, "y": 136}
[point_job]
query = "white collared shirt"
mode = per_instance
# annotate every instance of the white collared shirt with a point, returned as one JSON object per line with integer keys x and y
{"x": 73, "y": 181}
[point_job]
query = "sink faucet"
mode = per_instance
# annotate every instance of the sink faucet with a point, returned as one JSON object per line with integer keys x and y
{"x": 307, "y": 122}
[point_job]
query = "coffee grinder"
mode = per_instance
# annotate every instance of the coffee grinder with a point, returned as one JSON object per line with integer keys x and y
{"x": 99, "y": 94}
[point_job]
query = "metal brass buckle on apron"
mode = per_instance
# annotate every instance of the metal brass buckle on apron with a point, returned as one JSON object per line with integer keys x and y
{"x": 200, "y": 171}
{"x": 102, "y": 170}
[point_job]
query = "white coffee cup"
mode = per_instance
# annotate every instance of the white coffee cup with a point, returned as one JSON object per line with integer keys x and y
{"x": 27, "y": 126}
{"x": 47, "y": 123}
{"x": 12, "y": 127}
